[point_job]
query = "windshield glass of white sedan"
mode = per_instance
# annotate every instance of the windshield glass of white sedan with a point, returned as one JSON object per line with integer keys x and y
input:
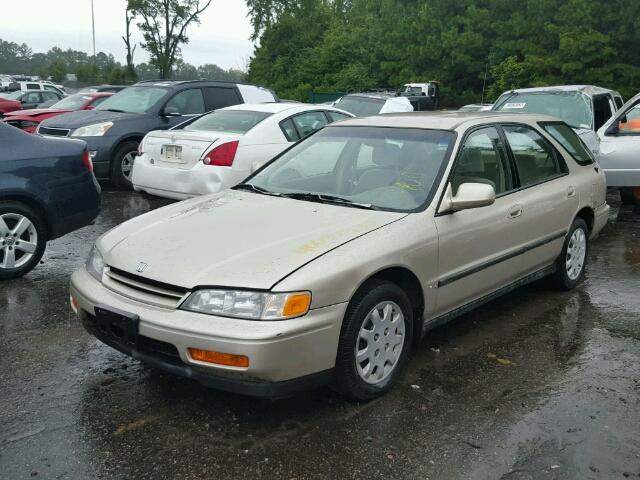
{"x": 388, "y": 168}
{"x": 572, "y": 107}
{"x": 234, "y": 121}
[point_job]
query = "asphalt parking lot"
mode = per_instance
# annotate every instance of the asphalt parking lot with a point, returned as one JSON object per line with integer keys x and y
{"x": 537, "y": 385}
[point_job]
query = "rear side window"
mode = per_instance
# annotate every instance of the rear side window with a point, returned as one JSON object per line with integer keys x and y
{"x": 289, "y": 130}
{"x": 32, "y": 97}
{"x": 535, "y": 159}
{"x": 307, "y": 123}
{"x": 219, "y": 97}
{"x": 33, "y": 86}
{"x": 565, "y": 136}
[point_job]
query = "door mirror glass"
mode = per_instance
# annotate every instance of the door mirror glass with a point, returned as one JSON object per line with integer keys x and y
{"x": 472, "y": 195}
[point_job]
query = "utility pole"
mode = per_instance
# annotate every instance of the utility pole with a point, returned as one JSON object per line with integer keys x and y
{"x": 93, "y": 31}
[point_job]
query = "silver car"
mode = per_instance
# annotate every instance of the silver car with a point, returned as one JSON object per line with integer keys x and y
{"x": 331, "y": 261}
{"x": 619, "y": 153}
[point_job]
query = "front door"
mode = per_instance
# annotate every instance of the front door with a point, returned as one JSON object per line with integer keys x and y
{"x": 477, "y": 247}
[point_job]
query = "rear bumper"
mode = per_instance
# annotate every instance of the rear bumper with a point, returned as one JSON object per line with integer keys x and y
{"x": 75, "y": 206}
{"x": 623, "y": 177}
{"x": 103, "y": 147}
{"x": 179, "y": 184}
{"x": 284, "y": 356}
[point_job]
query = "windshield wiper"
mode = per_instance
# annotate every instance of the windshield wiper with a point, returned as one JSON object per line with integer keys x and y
{"x": 117, "y": 110}
{"x": 322, "y": 198}
{"x": 253, "y": 188}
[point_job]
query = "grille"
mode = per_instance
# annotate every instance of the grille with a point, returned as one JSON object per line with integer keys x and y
{"x": 143, "y": 289}
{"x": 55, "y": 132}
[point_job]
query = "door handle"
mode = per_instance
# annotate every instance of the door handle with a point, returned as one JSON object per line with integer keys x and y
{"x": 515, "y": 211}
{"x": 571, "y": 192}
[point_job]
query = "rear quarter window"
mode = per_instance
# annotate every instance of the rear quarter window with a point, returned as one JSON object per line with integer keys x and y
{"x": 565, "y": 136}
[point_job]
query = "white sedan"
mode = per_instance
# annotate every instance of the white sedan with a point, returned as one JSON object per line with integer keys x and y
{"x": 220, "y": 149}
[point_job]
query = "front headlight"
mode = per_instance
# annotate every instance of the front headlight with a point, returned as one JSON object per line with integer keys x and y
{"x": 95, "y": 264}
{"x": 95, "y": 130}
{"x": 249, "y": 305}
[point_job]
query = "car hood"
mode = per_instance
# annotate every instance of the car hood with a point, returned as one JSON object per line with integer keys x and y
{"x": 234, "y": 239}
{"x": 36, "y": 112}
{"x": 82, "y": 118}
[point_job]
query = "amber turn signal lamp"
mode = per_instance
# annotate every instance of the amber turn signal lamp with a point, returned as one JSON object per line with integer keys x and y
{"x": 297, "y": 304}
{"x": 227, "y": 359}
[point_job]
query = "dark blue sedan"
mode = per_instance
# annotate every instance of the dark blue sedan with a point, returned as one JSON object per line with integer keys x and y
{"x": 47, "y": 189}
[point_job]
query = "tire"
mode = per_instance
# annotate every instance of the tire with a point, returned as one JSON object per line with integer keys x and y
{"x": 628, "y": 195}
{"x": 349, "y": 372}
{"x": 572, "y": 262}
{"x": 124, "y": 156}
{"x": 16, "y": 236}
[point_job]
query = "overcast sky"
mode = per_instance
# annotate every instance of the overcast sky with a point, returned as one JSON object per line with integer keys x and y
{"x": 221, "y": 38}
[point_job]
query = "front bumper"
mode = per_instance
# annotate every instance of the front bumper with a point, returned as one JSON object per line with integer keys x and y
{"x": 600, "y": 219}
{"x": 179, "y": 184}
{"x": 284, "y": 356}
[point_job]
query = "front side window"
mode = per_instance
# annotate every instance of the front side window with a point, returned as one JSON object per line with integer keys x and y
{"x": 629, "y": 123}
{"x": 385, "y": 168}
{"x": 50, "y": 96}
{"x": 573, "y": 108}
{"x": 565, "y": 136}
{"x": 235, "y": 121}
{"x": 134, "y": 99}
{"x": 534, "y": 158}
{"x": 187, "y": 102}
{"x": 483, "y": 159}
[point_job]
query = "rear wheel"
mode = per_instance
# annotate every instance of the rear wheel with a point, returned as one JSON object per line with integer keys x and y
{"x": 630, "y": 195}
{"x": 374, "y": 342}
{"x": 23, "y": 239}
{"x": 122, "y": 165}
{"x": 572, "y": 262}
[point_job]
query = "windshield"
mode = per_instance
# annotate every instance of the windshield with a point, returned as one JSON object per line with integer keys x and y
{"x": 361, "y": 106}
{"x": 72, "y": 102}
{"x": 236, "y": 121}
{"x": 385, "y": 168}
{"x": 133, "y": 99}
{"x": 572, "y": 107}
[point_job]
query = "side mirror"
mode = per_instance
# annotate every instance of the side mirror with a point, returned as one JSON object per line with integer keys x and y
{"x": 469, "y": 195}
{"x": 170, "y": 112}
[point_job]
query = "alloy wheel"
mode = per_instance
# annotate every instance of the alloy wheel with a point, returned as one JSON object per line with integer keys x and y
{"x": 127, "y": 164}
{"x": 380, "y": 342}
{"x": 18, "y": 240}
{"x": 576, "y": 253}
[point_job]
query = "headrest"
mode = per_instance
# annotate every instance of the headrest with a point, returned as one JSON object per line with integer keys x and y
{"x": 386, "y": 155}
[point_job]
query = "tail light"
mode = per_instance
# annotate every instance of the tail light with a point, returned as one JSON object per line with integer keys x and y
{"x": 223, "y": 155}
{"x": 86, "y": 159}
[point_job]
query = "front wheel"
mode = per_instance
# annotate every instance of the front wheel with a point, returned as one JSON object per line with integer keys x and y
{"x": 572, "y": 262}
{"x": 374, "y": 342}
{"x": 122, "y": 165}
{"x": 23, "y": 239}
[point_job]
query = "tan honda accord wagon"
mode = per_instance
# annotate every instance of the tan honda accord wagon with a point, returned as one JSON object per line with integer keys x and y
{"x": 331, "y": 261}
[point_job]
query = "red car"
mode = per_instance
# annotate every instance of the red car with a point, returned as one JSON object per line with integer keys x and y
{"x": 28, "y": 120}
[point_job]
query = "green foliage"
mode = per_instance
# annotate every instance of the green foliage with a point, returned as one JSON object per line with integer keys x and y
{"x": 58, "y": 70}
{"x": 164, "y": 28}
{"x": 340, "y": 45}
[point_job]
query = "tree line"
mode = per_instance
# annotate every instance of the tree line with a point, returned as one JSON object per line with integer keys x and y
{"x": 471, "y": 46}
{"x": 19, "y": 59}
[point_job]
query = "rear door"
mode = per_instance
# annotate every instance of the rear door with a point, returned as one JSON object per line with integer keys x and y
{"x": 547, "y": 193}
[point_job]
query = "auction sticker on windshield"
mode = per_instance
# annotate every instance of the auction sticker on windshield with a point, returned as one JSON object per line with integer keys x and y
{"x": 514, "y": 105}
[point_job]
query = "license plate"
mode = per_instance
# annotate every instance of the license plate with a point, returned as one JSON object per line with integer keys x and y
{"x": 173, "y": 153}
{"x": 122, "y": 327}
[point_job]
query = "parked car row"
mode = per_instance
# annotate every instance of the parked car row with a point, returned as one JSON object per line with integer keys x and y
{"x": 25, "y": 100}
